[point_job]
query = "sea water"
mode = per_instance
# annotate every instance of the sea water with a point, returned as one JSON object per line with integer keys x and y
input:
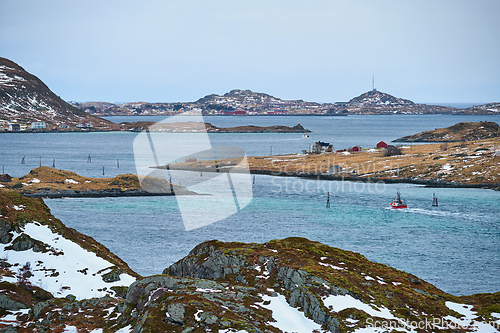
{"x": 454, "y": 246}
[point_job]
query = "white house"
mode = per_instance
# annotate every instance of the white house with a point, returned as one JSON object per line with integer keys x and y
{"x": 85, "y": 125}
{"x": 321, "y": 147}
{"x": 38, "y": 125}
{"x": 14, "y": 127}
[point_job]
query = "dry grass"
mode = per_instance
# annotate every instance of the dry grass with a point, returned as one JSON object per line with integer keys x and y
{"x": 475, "y": 163}
{"x": 53, "y": 179}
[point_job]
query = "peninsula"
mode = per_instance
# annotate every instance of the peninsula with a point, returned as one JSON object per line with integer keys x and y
{"x": 466, "y": 131}
{"x": 462, "y": 164}
{"x": 191, "y": 126}
{"x": 46, "y": 182}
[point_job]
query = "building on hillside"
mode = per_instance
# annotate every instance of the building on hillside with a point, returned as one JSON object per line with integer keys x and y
{"x": 321, "y": 147}
{"x": 63, "y": 126}
{"x": 381, "y": 144}
{"x": 14, "y": 127}
{"x": 85, "y": 125}
{"x": 355, "y": 149}
{"x": 391, "y": 150}
{"x": 334, "y": 169}
{"x": 5, "y": 178}
{"x": 38, "y": 125}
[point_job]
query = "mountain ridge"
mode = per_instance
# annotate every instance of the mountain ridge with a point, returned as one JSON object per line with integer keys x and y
{"x": 247, "y": 102}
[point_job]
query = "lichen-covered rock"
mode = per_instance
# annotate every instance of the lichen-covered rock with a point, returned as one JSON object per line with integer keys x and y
{"x": 311, "y": 276}
{"x": 112, "y": 276}
{"x": 24, "y": 242}
{"x": 5, "y": 231}
{"x": 10, "y": 304}
{"x": 175, "y": 313}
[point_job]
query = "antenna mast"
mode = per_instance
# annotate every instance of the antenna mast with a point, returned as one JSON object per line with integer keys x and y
{"x": 373, "y": 82}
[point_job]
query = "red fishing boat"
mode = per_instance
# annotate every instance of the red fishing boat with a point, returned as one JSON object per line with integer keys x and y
{"x": 397, "y": 203}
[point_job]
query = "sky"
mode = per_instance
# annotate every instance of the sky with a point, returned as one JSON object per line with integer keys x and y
{"x": 445, "y": 51}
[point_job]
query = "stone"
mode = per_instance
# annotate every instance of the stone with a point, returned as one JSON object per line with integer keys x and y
{"x": 9, "y": 304}
{"x": 24, "y": 242}
{"x": 176, "y": 313}
{"x": 112, "y": 276}
{"x": 5, "y": 228}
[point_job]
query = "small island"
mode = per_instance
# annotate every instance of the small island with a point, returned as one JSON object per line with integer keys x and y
{"x": 192, "y": 126}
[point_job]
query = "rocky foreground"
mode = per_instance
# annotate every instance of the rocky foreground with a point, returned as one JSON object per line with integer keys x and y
{"x": 54, "y": 279}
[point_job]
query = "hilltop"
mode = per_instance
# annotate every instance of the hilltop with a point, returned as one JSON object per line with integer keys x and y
{"x": 377, "y": 102}
{"x": 24, "y": 98}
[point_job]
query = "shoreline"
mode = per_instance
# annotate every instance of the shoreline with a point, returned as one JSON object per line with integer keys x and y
{"x": 107, "y": 193}
{"x": 427, "y": 183}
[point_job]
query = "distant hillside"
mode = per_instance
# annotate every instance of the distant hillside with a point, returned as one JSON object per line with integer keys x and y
{"x": 377, "y": 102}
{"x": 466, "y": 131}
{"x": 24, "y": 98}
{"x": 490, "y": 108}
{"x": 241, "y": 96}
{"x": 378, "y": 98}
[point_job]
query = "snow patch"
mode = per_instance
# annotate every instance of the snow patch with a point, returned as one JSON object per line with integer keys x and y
{"x": 288, "y": 319}
{"x": 71, "y": 181}
{"x": 332, "y": 266}
{"x": 341, "y": 302}
{"x": 72, "y": 271}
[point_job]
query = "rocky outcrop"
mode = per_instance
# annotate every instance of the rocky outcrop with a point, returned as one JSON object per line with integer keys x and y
{"x": 466, "y": 131}
{"x": 191, "y": 304}
{"x": 233, "y": 287}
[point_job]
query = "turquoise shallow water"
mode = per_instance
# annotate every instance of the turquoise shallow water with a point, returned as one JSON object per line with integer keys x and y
{"x": 455, "y": 246}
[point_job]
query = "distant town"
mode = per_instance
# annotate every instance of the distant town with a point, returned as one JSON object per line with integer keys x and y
{"x": 246, "y": 102}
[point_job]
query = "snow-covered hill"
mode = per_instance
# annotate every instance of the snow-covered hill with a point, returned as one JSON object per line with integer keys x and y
{"x": 62, "y": 261}
{"x": 24, "y": 98}
{"x": 378, "y": 98}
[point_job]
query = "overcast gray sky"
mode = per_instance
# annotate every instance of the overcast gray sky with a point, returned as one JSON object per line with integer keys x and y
{"x": 323, "y": 51}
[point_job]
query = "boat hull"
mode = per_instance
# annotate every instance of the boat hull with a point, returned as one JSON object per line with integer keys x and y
{"x": 398, "y": 206}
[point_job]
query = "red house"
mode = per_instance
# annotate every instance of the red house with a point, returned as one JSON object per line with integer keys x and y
{"x": 355, "y": 148}
{"x": 381, "y": 144}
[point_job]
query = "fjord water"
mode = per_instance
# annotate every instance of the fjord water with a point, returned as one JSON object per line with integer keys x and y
{"x": 454, "y": 246}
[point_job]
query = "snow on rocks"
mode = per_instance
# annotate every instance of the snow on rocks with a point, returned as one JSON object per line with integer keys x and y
{"x": 66, "y": 268}
{"x": 341, "y": 302}
{"x": 71, "y": 181}
{"x": 288, "y": 319}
